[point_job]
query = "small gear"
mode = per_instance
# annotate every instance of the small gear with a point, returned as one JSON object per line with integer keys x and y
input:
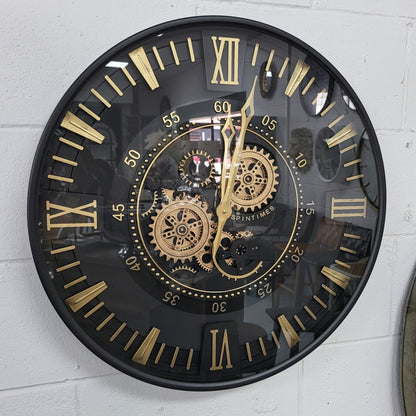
{"x": 168, "y": 194}
{"x": 152, "y": 207}
{"x": 181, "y": 268}
{"x": 256, "y": 181}
{"x": 196, "y": 168}
{"x": 204, "y": 257}
{"x": 181, "y": 228}
{"x": 243, "y": 234}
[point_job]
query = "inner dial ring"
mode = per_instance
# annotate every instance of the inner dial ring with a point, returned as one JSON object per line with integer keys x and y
{"x": 171, "y": 234}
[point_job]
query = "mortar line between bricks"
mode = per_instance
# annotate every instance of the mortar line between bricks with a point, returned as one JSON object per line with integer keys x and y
{"x": 265, "y": 3}
{"x": 56, "y": 383}
{"x": 18, "y": 126}
{"x": 409, "y": 131}
{"x": 324, "y": 10}
{"x": 401, "y": 235}
{"x": 407, "y": 69}
{"x": 360, "y": 341}
{"x": 2, "y": 261}
{"x": 363, "y": 13}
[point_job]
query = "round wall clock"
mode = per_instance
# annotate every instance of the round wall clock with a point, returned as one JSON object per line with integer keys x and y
{"x": 179, "y": 220}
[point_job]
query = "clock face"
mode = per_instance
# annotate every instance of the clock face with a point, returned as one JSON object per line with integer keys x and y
{"x": 206, "y": 203}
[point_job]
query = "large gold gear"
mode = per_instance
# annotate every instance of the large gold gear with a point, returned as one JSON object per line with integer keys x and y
{"x": 181, "y": 228}
{"x": 256, "y": 180}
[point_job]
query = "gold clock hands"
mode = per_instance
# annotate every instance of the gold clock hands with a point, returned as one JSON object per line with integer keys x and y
{"x": 228, "y": 175}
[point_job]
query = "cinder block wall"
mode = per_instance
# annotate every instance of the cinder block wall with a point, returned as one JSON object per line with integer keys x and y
{"x": 44, "y": 371}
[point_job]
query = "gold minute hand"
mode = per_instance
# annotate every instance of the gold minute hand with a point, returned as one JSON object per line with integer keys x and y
{"x": 227, "y": 184}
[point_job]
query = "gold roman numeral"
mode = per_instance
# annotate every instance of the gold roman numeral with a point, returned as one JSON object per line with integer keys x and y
{"x": 230, "y": 60}
{"x": 300, "y": 71}
{"x": 217, "y": 362}
{"x": 142, "y": 355}
{"x": 79, "y": 300}
{"x": 81, "y": 211}
{"x": 343, "y": 135}
{"x": 139, "y": 58}
{"x": 348, "y": 207}
{"x": 292, "y": 338}
{"x": 73, "y": 123}
{"x": 338, "y": 278}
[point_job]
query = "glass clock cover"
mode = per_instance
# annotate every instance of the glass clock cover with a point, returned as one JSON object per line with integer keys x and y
{"x": 201, "y": 212}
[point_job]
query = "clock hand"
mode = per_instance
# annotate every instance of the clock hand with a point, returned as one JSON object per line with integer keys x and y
{"x": 228, "y": 176}
{"x": 227, "y": 137}
{"x": 224, "y": 208}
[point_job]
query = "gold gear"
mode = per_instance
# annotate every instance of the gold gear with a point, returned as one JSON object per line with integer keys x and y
{"x": 181, "y": 228}
{"x": 186, "y": 176}
{"x": 204, "y": 258}
{"x": 155, "y": 197}
{"x": 256, "y": 180}
{"x": 180, "y": 268}
{"x": 243, "y": 234}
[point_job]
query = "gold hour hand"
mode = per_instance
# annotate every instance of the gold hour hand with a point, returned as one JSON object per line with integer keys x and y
{"x": 227, "y": 133}
{"x": 223, "y": 209}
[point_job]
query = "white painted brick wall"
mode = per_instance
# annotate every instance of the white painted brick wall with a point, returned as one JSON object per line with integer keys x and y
{"x": 44, "y": 370}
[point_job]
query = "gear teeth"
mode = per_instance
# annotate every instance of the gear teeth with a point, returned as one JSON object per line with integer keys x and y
{"x": 168, "y": 194}
{"x": 208, "y": 267}
{"x": 187, "y": 268}
{"x": 183, "y": 163}
{"x": 173, "y": 235}
{"x": 243, "y": 234}
{"x": 250, "y": 195}
{"x": 147, "y": 213}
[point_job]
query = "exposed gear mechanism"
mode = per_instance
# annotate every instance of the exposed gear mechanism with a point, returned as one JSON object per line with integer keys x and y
{"x": 181, "y": 227}
{"x": 238, "y": 259}
{"x": 256, "y": 181}
{"x": 204, "y": 257}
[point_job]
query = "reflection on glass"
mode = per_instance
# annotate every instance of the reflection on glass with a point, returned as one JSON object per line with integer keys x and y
{"x": 316, "y": 94}
{"x": 327, "y": 159}
{"x": 267, "y": 80}
{"x": 348, "y": 101}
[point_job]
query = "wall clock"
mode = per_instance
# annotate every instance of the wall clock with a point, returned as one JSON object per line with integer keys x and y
{"x": 173, "y": 230}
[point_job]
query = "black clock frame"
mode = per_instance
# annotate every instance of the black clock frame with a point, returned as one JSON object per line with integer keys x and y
{"x": 32, "y": 207}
